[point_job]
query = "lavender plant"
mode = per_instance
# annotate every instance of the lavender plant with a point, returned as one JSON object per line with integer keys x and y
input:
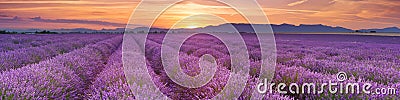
{"x": 63, "y": 77}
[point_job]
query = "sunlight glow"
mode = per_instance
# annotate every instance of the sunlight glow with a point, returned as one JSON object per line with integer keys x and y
{"x": 191, "y": 26}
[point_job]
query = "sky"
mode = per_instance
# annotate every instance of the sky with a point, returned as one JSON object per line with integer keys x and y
{"x": 109, "y": 14}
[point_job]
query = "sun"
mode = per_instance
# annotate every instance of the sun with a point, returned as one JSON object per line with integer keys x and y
{"x": 191, "y": 26}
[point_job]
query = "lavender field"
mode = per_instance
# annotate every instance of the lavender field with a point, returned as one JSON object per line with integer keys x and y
{"x": 90, "y": 66}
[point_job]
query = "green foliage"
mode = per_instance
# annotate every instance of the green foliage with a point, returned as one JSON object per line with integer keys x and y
{"x": 16, "y": 41}
{"x": 45, "y": 32}
{"x": 282, "y": 60}
{"x": 7, "y": 32}
{"x": 62, "y": 51}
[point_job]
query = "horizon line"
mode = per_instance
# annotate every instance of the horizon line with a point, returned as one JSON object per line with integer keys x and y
{"x": 297, "y": 25}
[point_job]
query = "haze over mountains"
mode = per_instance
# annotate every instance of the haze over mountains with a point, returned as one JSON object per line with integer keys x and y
{"x": 282, "y": 28}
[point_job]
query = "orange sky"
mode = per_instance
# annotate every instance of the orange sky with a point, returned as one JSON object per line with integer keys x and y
{"x": 98, "y": 14}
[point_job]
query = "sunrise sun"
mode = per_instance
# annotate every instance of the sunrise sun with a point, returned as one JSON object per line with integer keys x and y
{"x": 191, "y": 26}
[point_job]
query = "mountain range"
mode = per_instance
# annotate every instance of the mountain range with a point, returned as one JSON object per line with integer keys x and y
{"x": 282, "y": 28}
{"x": 229, "y": 27}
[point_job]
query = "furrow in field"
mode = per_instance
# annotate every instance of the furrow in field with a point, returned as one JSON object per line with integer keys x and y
{"x": 22, "y": 57}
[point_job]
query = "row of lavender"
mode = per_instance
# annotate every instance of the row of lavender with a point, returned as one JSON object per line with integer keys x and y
{"x": 21, "y": 57}
{"x": 96, "y": 71}
{"x": 19, "y": 41}
{"x": 63, "y": 77}
{"x": 111, "y": 82}
{"x": 191, "y": 51}
{"x": 301, "y": 59}
{"x": 307, "y": 60}
{"x": 317, "y": 58}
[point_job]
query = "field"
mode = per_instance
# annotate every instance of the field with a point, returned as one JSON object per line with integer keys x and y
{"x": 90, "y": 66}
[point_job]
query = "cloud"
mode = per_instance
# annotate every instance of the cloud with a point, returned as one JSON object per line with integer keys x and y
{"x": 103, "y": 23}
{"x": 40, "y": 23}
{"x": 24, "y": 5}
{"x": 7, "y": 18}
{"x": 297, "y": 3}
{"x": 4, "y": 16}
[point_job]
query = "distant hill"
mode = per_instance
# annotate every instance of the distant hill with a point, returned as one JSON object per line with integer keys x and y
{"x": 384, "y": 30}
{"x": 230, "y": 28}
{"x": 247, "y": 28}
{"x": 303, "y": 28}
{"x": 85, "y": 30}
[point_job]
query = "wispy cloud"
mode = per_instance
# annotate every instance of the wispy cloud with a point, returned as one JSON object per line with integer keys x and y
{"x": 41, "y": 23}
{"x": 75, "y": 21}
{"x": 297, "y": 3}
